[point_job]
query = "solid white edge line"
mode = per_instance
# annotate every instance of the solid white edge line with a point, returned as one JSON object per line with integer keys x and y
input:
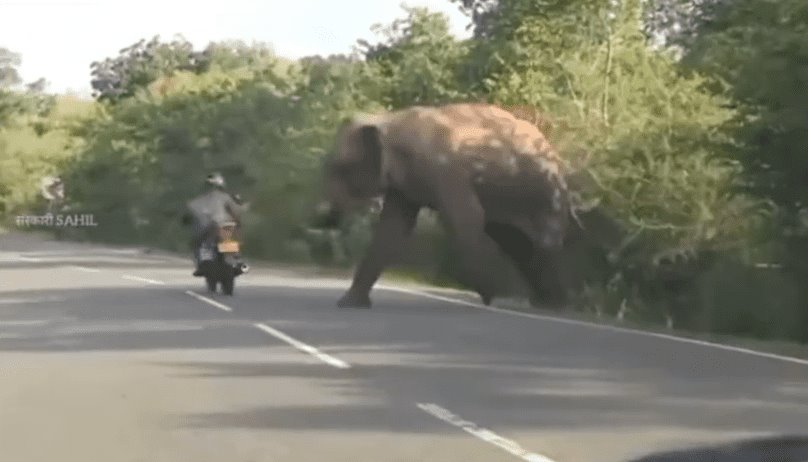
{"x": 328, "y": 359}
{"x": 483, "y": 434}
{"x": 140, "y": 279}
{"x": 624, "y": 330}
{"x": 207, "y": 300}
{"x": 84, "y": 268}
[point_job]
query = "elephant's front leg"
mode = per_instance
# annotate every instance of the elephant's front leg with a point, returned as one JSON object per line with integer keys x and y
{"x": 395, "y": 225}
{"x": 544, "y": 269}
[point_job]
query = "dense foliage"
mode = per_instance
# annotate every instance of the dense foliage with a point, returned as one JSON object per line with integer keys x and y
{"x": 687, "y": 118}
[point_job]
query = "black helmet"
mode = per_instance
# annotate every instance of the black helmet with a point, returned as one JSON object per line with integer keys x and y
{"x": 215, "y": 179}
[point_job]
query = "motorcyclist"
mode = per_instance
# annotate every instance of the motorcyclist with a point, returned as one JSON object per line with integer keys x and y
{"x": 206, "y": 211}
{"x": 52, "y": 189}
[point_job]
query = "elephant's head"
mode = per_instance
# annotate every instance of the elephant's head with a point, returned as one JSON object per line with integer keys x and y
{"x": 352, "y": 172}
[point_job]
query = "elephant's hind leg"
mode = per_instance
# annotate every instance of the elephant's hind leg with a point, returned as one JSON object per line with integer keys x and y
{"x": 516, "y": 246}
{"x": 540, "y": 268}
{"x": 464, "y": 219}
{"x": 513, "y": 242}
{"x": 395, "y": 225}
{"x": 546, "y": 270}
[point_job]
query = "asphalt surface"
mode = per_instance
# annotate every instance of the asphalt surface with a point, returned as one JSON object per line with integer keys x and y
{"x": 114, "y": 355}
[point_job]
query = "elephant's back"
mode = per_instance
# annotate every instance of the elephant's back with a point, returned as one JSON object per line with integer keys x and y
{"x": 472, "y": 130}
{"x": 494, "y": 148}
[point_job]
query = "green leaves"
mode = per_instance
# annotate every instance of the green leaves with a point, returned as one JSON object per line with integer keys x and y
{"x": 140, "y": 65}
{"x": 418, "y": 61}
{"x": 756, "y": 53}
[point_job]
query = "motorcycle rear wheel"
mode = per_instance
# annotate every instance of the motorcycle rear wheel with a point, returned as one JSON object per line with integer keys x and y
{"x": 211, "y": 282}
{"x": 228, "y": 280}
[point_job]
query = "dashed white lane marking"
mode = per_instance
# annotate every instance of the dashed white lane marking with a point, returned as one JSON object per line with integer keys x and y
{"x": 32, "y": 322}
{"x": 125, "y": 251}
{"x": 483, "y": 434}
{"x": 328, "y": 359}
{"x": 140, "y": 279}
{"x": 209, "y": 301}
{"x": 29, "y": 259}
{"x": 29, "y": 300}
{"x": 84, "y": 268}
{"x": 622, "y": 330}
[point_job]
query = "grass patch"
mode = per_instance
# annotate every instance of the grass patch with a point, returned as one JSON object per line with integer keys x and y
{"x": 779, "y": 347}
{"x": 415, "y": 277}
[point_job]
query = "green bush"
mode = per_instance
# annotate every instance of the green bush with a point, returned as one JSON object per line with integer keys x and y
{"x": 751, "y": 301}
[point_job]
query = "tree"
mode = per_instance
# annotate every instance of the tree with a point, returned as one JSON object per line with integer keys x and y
{"x": 14, "y": 102}
{"x": 9, "y": 102}
{"x": 676, "y": 22}
{"x": 671, "y": 22}
{"x": 9, "y": 61}
{"x": 417, "y": 61}
{"x": 143, "y": 63}
{"x": 234, "y": 54}
{"x": 756, "y": 51}
{"x": 29, "y": 144}
{"x": 140, "y": 64}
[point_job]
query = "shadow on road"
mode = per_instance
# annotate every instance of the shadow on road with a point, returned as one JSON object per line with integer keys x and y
{"x": 537, "y": 377}
{"x": 778, "y": 449}
{"x": 505, "y": 398}
{"x": 115, "y": 319}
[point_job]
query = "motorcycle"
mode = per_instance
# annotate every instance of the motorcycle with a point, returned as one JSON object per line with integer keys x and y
{"x": 220, "y": 259}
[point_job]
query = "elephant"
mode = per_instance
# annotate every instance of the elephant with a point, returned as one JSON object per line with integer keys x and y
{"x": 494, "y": 180}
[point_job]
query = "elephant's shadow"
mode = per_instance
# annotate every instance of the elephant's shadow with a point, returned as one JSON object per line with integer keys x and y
{"x": 506, "y": 262}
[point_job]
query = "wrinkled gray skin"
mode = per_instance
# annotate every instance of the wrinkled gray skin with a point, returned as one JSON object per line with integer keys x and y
{"x": 494, "y": 180}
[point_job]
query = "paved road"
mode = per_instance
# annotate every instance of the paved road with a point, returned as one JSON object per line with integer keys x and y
{"x": 106, "y": 356}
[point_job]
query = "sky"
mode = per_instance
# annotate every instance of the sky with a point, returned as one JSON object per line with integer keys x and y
{"x": 58, "y": 39}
